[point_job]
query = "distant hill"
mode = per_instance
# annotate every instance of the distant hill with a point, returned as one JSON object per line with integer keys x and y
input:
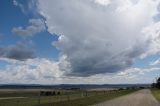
{"x": 69, "y": 86}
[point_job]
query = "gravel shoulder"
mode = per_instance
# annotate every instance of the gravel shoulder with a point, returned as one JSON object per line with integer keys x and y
{"x": 139, "y": 98}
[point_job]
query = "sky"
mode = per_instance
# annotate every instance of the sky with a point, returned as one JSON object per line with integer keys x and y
{"x": 79, "y": 41}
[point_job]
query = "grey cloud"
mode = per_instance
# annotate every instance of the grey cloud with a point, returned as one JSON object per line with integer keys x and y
{"x": 98, "y": 39}
{"x": 36, "y": 26}
{"x": 102, "y": 63}
{"x": 157, "y": 16}
{"x": 20, "y": 51}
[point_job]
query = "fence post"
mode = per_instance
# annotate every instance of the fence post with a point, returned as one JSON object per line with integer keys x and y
{"x": 82, "y": 94}
{"x": 17, "y": 102}
{"x": 68, "y": 98}
{"x": 86, "y": 94}
{"x": 39, "y": 98}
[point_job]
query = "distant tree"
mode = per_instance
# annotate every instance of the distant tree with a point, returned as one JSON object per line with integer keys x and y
{"x": 48, "y": 93}
{"x": 121, "y": 89}
{"x": 157, "y": 84}
{"x": 42, "y": 93}
{"x": 53, "y": 93}
{"x": 58, "y": 93}
{"x": 153, "y": 85}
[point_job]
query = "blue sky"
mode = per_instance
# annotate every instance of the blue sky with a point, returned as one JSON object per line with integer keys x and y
{"x": 12, "y": 17}
{"x": 55, "y": 41}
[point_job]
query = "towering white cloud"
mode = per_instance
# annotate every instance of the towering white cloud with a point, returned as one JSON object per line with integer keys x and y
{"x": 99, "y": 38}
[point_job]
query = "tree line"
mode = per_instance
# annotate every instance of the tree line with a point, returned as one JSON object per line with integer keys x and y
{"x": 49, "y": 93}
{"x": 156, "y": 84}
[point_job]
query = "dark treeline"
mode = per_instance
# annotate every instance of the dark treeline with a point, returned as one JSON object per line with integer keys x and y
{"x": 157, "y": 84}
{"x": 49, "y": 93}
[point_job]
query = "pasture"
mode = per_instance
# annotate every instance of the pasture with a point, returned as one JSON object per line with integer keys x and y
{"x": 56, "y": 97}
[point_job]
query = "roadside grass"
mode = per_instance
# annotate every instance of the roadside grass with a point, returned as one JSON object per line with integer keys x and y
{"x": 67, "y": 98}
{"x": 87, "y": 101}
{"x": 156, "y": 93}
{"x": 31, "y": 97}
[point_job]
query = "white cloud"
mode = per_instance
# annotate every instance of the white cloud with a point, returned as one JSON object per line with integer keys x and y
{"x": 157, "y": 62}
{"x": 39, "y": 70}
{"x": 16, "y": 3}
{"x": 137, "y": 71}
{"x": 36, "y": 26}
{"x": 103, "y": 2}
{"x": 100, "y": 39}
{"x": 45, "y": 71}
{"x": 153, "y": 34}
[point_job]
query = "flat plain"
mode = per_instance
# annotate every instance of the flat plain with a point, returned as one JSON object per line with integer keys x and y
{"x": 31, "y": 97}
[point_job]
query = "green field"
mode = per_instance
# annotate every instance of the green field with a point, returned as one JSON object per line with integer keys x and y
{"x": 30, "y": 97}
{"x": 156, "y": 93}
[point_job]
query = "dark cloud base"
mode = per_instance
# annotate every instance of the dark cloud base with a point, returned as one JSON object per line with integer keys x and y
{"x": 19, "y": 51}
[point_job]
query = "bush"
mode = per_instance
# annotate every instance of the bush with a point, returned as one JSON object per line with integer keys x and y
{"x": 49, "y": 93}
{"x": 157, "y": 84}
{"x": 58, "y": 93}
{"x": 53, "y": 93}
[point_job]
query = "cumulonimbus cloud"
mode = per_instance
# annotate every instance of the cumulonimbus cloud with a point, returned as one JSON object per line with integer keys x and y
{"x": 99, "y": 38}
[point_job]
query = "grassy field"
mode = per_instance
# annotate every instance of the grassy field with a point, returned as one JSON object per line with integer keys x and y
{"x": 90, "y": 100}
{"x": 66, "y": 98}
{"x": 156, "y": 93}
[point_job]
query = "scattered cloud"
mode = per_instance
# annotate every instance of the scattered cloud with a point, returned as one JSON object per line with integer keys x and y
{"x": 17, "y": 4}
{"x": 157, "y": 62}
{"x": 30, "y": 71}
{"x": 32, "y": 4}
{"x": 27, "y": 7}
{"x": 137, "y": 71}
{"x": 98, "y": 39}
{"x": 46, "y": 71}
{"x": 19, "y": 51}
{"x": 36, "y": 26}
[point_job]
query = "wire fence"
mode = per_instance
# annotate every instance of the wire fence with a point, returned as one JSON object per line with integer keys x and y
{"x": 43, "y": 99}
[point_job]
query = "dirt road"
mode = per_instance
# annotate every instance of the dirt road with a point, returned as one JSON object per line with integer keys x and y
{"x": 139, "y": 98}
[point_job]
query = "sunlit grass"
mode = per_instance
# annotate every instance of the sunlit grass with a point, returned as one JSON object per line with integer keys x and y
{"x": 156, "y": 93}
{"x": 67, "y": 98}
{"x": 87, "y": 101}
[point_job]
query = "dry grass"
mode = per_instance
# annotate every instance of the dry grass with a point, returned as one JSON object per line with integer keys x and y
{"x": 156, "y": 93}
